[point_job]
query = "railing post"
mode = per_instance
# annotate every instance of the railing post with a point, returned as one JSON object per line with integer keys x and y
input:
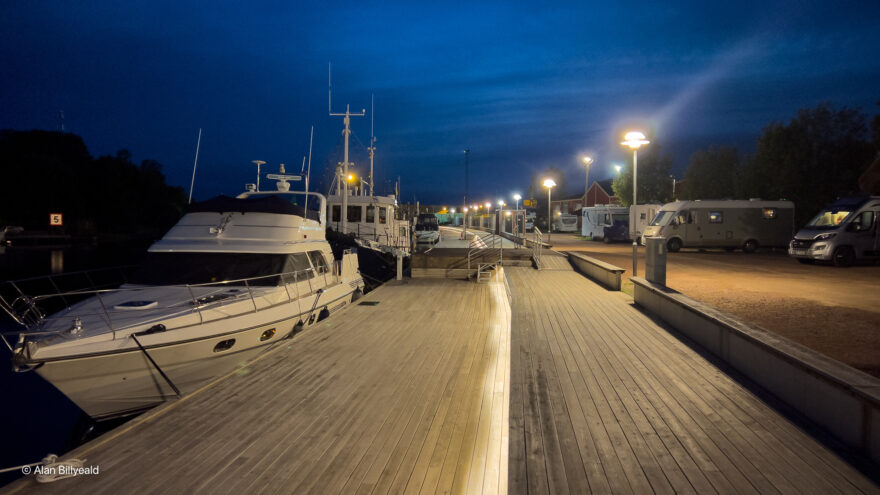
{"x": 254, "y": 301}
{"x": 195, "y": 304}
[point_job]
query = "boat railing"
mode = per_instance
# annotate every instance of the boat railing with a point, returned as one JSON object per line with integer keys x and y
{"x": 389, "y": 234}
{"x": 35, "y": 312}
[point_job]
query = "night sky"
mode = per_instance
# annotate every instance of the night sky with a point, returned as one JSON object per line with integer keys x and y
{"x": 523, "y": 85}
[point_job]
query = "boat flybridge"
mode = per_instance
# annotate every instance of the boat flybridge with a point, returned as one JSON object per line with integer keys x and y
{"x": 233, "y": 277}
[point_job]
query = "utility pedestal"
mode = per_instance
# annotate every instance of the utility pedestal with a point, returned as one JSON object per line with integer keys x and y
{"x": 655, "y": 260}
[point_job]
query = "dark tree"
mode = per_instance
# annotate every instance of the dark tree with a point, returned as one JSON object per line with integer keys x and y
{"x": 654, "y": 181}
{"x": 814, "y": 159}
{"x": 712, "y": 174}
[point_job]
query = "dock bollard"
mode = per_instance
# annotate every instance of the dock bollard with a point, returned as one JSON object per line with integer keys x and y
{"x": 399, "y": 267}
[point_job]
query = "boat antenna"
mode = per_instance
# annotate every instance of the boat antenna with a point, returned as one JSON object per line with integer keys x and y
{"x": 195, "y": 163}
{"x": 309, "y": 172}
{"x": 258, "y": 163}
{"x": 346, "y": 132}
{"x": 372, "y": 147}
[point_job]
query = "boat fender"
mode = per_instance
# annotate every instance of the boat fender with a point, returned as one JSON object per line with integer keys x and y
{"x": 357, "y": 294}
{"x": 323, "y": 314}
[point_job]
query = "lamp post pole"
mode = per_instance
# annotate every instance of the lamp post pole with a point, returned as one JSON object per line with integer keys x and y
{"x": 634, "y": 140}
{"x": 588, "y": 160}
{"x": 549, "y": 183}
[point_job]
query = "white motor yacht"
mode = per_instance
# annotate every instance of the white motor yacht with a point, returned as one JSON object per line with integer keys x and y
{"x": 233, "y": 277}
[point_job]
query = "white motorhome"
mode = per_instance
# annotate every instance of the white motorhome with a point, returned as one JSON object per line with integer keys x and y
{"x": 640, "y": 217}
{"x": 844, "y": 232}
{"x": 597, "y": 218}
{"x": 730, "y": 224}
{"x": 565, "y": 222}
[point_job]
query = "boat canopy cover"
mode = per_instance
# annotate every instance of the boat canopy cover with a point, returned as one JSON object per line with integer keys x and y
{"x": 256, "y": 204}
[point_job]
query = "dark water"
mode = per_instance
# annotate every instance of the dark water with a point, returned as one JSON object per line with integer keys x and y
{"x": 36, "y": 418}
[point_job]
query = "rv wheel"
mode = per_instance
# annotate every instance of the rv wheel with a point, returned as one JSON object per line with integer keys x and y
{"x": 844, "y": 256}
{"x": 750, "y": 246}
{"x": 674, "y": 245}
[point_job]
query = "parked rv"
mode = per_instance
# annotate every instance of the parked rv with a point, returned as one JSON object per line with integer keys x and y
{"x": 640, "y": 217}
{"x": 565, "y": 222}
{"x": 596, "y": 219}
{"x": 844, "y": 232}
{"x": 730, "y": 224}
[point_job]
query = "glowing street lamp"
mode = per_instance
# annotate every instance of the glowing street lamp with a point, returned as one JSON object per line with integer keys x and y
{"x": 635, "y": 140}
{"x": 549, "y": 184}
{"x": 618, "y": 169}
{"x": 588, "y": 160}
{"x": 517, "y": 197}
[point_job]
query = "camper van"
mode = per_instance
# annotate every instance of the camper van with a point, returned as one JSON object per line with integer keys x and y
{"x": 844, "y": 232}
{"x": 729, "y": 224}
{"x": 640, "y": 217}
{"x": 596, "y": 219}
{"x": 565, "y": 222}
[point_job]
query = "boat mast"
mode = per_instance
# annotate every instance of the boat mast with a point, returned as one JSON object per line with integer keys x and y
{"x": 372, "y": 147}
{"x": 346, "y": 132}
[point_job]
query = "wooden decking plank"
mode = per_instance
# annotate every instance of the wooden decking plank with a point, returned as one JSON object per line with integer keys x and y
{"x": 758, "y": 442}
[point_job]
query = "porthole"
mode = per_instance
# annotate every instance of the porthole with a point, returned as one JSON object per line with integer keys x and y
{"x": 224, "y": 345}
{"x": 268, "y": 334}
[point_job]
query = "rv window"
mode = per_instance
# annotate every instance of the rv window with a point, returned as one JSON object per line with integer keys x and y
{"x": 382, "y": 215}
{"x": 716, "y": 217}
{"x": 371, "y": 213}
{"x": 692, "y": 217}
{"x": 354, "y": 213}
{"x": 683, "y": 218}
{"x": 769, "y": 213}
{"x": 643, "y": 216}
{"x": 864, "y": 221}
{"x": 335, "y": 216}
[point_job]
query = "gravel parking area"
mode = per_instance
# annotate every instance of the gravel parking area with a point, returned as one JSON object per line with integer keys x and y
{"x": 835, "y": 311}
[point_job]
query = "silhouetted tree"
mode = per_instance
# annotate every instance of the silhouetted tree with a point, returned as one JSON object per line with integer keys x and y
{"x": 655, "y": 181}
{"x": 712, "y": 174}
{"x": 815, "y": 158}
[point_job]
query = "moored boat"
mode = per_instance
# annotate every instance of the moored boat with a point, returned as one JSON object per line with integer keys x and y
{"x": 233, "y": 277}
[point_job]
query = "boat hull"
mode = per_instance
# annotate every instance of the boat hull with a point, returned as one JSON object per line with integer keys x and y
{"x": 120, "y": 383}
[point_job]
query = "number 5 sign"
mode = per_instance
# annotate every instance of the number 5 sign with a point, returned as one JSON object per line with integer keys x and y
{"x": 55, "y": 219}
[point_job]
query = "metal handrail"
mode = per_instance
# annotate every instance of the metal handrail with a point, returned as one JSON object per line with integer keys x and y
{"x": 487, "y": 248}
{"x": 29, "y": 321}
{"x": 538, "y": 245}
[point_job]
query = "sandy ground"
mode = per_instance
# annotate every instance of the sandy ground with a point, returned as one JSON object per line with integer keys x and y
{"x": 835, "y": 311}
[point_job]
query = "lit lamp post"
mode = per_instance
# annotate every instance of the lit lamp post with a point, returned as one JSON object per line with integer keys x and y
{"x": 516, "y": 198}
{"x": 549, "y": 184}
{"x": 464, "y": 230}
{"x": 588, "y": 160}
{"x": 635, "y": 140}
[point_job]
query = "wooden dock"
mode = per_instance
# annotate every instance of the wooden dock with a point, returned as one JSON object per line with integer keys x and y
{"x": 448, "y": 386}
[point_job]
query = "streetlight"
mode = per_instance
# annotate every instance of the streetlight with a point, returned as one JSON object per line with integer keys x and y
{"x": 517, "y": 197}
{"x": 635, "y": 140}
{"x": 549, "y": 184}
{"x": 618, "y": 168}
{"x": 588, "y": 160}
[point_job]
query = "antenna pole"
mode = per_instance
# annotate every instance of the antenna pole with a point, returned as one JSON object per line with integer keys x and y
{"x": 195, "y": 163}
{"x": 372, "y": 147}
{"x": 309, "y": 173}
{"x": 346, "y": 132}
{"x": 258, "y": 163}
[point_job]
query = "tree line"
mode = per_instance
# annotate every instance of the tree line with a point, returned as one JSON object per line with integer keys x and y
{"x": 109, "y": 196}
{"x": 816, "y": 157}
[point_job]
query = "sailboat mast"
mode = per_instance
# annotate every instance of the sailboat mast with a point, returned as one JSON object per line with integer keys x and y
{"x": 372, "y": 147}
{"x": 346, "y": 132}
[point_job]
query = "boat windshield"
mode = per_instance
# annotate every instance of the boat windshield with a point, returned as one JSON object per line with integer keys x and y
{"x": 662, "y": 218}
{"x": 206, "y": 268}
{"x": 829, "y": 219}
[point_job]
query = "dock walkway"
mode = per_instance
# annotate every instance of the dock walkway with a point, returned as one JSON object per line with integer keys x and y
{"x": 603, "y": 400}
{"x": 448, "y": 386}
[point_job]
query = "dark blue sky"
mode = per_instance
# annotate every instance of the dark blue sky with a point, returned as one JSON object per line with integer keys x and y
{"x": 523, "y": 85}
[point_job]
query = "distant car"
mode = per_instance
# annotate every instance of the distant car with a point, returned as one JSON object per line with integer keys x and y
{"x": 427, "y": 228}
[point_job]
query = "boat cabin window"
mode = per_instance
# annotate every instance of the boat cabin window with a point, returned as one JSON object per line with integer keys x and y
{"x": 207, "y": 268}
{"x": 297, "y": 268}
{"x": 354, "y": 213}
{"x": 319, "y": 262}
{"x": 382, "y": 215}
{"x": 335, "y": 215}
{"x": 371, "y": 213}
{"x": 716, "y": 217}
